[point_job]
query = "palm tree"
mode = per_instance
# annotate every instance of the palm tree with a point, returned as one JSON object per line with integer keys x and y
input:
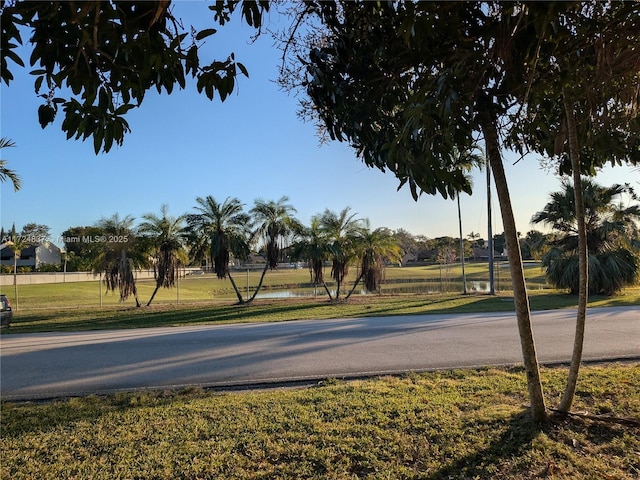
{"x": 274, "y": 225}
{"x": 466, "y": 160}
{"x": 118, "y": 254}
{"x": 16, "y": 244}
{"x": 5, "y": 173}
{"x": 311, "y": 247}
{"x": 376, "y": 248}
{"x": 343, "y": 232}
{"x": 222, "y": 230}
{"x": 610, "y": 228}
{"x": 166, "y": 235}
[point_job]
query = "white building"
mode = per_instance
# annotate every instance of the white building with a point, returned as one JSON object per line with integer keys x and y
{"x": 32, "y": 256}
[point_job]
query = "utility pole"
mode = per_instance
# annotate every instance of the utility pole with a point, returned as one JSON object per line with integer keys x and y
{"x": 464, "y": 278}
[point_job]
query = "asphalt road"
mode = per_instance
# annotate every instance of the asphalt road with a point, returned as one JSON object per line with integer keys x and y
{"x": 61, "y": 364}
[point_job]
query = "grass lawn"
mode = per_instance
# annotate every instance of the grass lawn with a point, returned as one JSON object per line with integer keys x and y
{"x": 440, "y": 425}
{"x": 208, "y": 288}
{"x": 205, "y": 299}
{"x": 283, "y": 309}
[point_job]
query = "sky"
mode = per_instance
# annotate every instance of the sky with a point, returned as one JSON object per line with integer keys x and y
{"x": 253, "y": 145}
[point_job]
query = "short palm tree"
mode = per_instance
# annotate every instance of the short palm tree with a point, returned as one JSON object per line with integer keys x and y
{"x": 166, "y": 237}
{"x": 118, "y": 254}
{"x": 274, "y": 225}
{"x": 611, "y": 228}
{"x": 343, "y": 232}
{"x": 376, "y": 247}
{"x": 311, "y": 247}
{"x": 222, "y": 230}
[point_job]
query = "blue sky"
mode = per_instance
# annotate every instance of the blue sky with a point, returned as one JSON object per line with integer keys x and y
{"x": 251, "y": 146}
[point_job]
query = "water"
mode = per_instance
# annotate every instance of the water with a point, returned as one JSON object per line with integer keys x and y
{"x": 431, "y": 287}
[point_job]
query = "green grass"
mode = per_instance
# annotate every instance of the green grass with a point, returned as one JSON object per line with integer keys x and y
{"x": 275, "y": 310}
{"x": 441, "y": 425}
{"x": 207, "y": 288}
{"x": 206, "y": 299}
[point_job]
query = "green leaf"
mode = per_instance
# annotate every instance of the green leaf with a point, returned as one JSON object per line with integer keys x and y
{"x": 38, "y": 83}
{"x": 14, "y": 56}
{"x": 46, "y": 115}
{"x": 122, "y": 109}
{"x": 205, "y": 33}
{"x": 243, "y": 69}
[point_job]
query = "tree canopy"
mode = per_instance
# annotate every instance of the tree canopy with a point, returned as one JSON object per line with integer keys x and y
{"x": 97, "y": 60}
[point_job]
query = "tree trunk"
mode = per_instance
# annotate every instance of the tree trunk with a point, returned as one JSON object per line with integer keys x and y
{"x": 523, "y": 313}
{"x": 583, "y": 261}
{"x": 355, "y": 285}
{"x": 154, "y": 294}
{"x": 235, "y": 288}
{"x": 15, "y": 281}
{"x": 264, "y": 271}
{"x": 324, "y": 284}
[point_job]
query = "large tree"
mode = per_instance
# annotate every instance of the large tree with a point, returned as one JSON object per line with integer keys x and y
{"x": 35, "y": 233}
{"x": 580, "y": 102}
{"x": 343, "y": 233}
{"x": 97, "y": 60}
{"x": 118, "y": 254}
{"x": 409, "y": 83}
{"x": 221, "y": 230}
{"x": 81, "y": 251}
{"x": 166, "y": 236}
{"x": 274, "y": 226}
{"x": 311, "y": 247}
{"x": 453, "y": 69}
{"x": 610, "y": 226}
{"x": 376, "y": 248}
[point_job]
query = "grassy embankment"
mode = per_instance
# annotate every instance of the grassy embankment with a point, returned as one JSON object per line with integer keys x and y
{"x": 441, "y": 425}
{"x": 205, "y": 299}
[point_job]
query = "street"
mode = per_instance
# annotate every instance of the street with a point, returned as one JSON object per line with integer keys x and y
{"x": 61, "y": 364}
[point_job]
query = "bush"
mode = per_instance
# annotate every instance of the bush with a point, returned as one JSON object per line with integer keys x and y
{"x": 48, "y": 267}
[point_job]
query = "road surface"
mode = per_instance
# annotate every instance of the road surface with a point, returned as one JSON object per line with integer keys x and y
{"x": 63, "y": 364}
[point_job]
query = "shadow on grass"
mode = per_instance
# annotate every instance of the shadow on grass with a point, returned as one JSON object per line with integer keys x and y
{"x": 288, "y": 309}
{"x": 516, "y": 441}
{"x": 41, "y": 417}
{"x": 485, "y": 462}
{"x": 149, "y": 317}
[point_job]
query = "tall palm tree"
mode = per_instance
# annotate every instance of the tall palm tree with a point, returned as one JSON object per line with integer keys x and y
{"x": 343, "y": 232}
{"x": 466, "y": 160}
{"x": 166, "y": 236}
{"x": 274, "y": 225}
{"x": 5, "y": 173}
{"x": 118, "y": 254}
{"x": 376, "y": 248}
{"x": 222, "y": 230}
{"x": 610, "y": 228}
